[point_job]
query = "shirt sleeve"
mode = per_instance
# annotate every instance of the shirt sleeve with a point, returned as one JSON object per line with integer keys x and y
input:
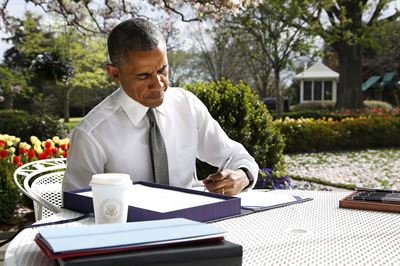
{"x": 214, "y": 145}
{"x": 85, "y": 158}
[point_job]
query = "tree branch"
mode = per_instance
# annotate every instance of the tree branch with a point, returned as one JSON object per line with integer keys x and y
{"x": 93, "y": 17}
{"x": 169, "y": 7}
{"x": 3, "y": 13}
{"x": 377, "y": 12}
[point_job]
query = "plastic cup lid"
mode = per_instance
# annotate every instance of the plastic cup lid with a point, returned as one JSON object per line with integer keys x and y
{"x": 111, "y": 179}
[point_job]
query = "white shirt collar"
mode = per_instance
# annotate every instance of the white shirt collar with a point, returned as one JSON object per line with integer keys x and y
{"x": 135, "y": 110}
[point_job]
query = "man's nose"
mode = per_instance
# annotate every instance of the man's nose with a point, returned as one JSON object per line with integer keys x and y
{"x": 156, "y": 82}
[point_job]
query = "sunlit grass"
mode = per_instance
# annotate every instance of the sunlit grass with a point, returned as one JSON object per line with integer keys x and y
{"x": 73, "y": 121}
{"x": 366, "y": 168}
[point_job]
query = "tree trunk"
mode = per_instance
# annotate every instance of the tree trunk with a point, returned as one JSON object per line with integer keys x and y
{"x": 278, "y": 98}
{"x": 8, "y": 102}
{"x": 67, "y": 90}
{"x": 349, "y": 94}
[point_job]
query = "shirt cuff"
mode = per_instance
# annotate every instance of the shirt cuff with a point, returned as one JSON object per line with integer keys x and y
{"x": 249, "y": 177}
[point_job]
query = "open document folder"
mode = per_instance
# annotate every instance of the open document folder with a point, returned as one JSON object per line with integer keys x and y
{"x": 263, "y": 199}
{"x": 267, "y": 199}
{"x": 64, "y": 242}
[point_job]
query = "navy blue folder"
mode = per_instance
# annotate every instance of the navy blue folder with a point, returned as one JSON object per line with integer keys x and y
{"x": 229, "y": 206}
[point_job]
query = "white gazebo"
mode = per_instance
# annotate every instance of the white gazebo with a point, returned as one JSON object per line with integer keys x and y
{"x": 318, "y": 84}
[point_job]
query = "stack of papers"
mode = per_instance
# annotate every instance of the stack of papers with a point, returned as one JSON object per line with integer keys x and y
{"x": 149, "y": 198}
{"x": 67, "y": 242}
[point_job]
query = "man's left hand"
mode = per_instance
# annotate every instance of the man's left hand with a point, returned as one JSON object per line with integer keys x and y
{"x": 227, "y": 182}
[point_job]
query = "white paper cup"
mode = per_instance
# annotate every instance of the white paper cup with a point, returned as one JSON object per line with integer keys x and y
{"x": 110, "y": 197}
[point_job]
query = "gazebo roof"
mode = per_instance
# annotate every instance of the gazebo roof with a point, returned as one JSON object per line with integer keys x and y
{"x": 318, "y": 71}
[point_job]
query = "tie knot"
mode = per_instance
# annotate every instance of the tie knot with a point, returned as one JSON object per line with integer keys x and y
{"x": 151, "y": 115}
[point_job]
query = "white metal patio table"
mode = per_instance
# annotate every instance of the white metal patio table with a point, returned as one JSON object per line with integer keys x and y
{"x": 317, "y": 232}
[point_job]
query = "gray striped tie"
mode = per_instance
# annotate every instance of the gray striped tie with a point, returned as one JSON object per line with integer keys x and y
{"x": 158, "y": 152}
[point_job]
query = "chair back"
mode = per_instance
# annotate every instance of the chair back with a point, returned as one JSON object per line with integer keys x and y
{"x": 41, "y": 181}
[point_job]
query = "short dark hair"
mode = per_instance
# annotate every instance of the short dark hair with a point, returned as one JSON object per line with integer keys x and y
{"x": 135, "y": 34}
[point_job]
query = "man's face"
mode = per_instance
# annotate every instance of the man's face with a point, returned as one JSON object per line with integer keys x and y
{"x": 143, "y": 75}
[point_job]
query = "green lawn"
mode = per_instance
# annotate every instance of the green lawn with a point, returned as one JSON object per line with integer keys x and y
{"x": 73, "y": 121}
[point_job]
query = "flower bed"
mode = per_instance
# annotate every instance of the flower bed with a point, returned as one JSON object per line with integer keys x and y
{"x": 366, "y": 168}
{"x": 14, "y": 153}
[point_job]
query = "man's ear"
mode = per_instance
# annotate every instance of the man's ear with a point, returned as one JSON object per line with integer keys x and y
{"x": 113, "y": 71}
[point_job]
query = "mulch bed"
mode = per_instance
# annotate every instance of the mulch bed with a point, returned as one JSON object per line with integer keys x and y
{"x": 22, "y": 216}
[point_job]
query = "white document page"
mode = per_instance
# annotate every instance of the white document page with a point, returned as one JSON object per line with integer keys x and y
{"x": 261, "y": 199}
{"x": 163, "y": 200}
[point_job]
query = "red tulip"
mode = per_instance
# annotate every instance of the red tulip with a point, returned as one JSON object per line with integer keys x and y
{"x": 65, "y": 154}
{"x": 3, "y": 153}
{"x": 2, "y": 143}
{"x": 63, "y": 147}
{"x": 16, "y": 159}
{"x": 31, "y": 154}
{"x": 42, "y": 156}
{"x": 47, "y": 144}
{"x": 22, "y": 151}
{"x": 47, "y": 151}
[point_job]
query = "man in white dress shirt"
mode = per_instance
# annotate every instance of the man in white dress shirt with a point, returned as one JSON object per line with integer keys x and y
{"x": 114, "y": 136}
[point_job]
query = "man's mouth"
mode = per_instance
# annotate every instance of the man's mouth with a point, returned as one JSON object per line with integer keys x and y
{"x": 155, "y": 95}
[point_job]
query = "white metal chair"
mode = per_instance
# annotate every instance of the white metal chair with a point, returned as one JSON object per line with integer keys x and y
{"x": 41, "y": 181}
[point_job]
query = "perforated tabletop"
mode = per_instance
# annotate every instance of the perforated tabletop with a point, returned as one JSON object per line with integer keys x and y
{"x": 317, "y": 233}
{"x": 311, "y": 233}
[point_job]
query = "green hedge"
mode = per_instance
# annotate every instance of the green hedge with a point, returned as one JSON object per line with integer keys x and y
{"x": 9, "y": 194}
{"x": 24, "y": 125}
{"x": 329, "y": 114}
{"x": 245, "y": 119}
{"x": 361, "y": 133}
{"x": 313, "y": 106}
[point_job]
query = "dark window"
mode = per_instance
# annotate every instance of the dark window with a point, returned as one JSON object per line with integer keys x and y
{"x": 317, "y": 90}
{"x": 328, "y": 91}
{"x": 307, "y": 91}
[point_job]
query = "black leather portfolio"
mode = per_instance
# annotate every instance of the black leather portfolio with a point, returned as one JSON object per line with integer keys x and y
{"x": 221, "y": 253}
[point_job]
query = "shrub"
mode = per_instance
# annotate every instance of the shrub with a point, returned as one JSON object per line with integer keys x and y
{"x": 328, "y": 105}
{"x": 371, "y": 104}
{"x": 245, "y": 119}
{"x": 309, "y": 135}
{"x": 24, "y": 125}
{"x": 9, "y": 194}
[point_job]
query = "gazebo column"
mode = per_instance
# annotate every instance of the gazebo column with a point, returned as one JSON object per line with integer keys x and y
{"x": 302, "y": 91}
